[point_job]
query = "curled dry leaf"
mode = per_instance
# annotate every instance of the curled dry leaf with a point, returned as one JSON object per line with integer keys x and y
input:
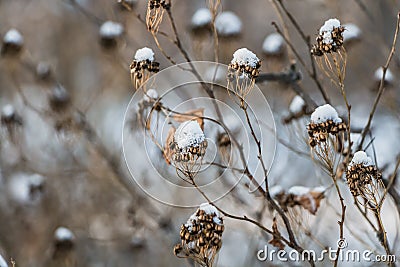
{"x": 194, "y": 114}
{"x": 310, "y": 201}
{"x": 276, "y": 240}
{"x": 167, "y": 148}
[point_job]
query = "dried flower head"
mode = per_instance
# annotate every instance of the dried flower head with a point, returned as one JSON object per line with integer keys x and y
{"x": 329, "y": 39}
{"x": 13, "y": 42}
{"x": 201, "y": 236}
{"x": 324, "y": 122}
{"x": 43, "y": 70}
{"x": 142, "y": 66}
{"x": 109, "y": 32}
{"x": 242, "y": 71}
{"x": 155, "y": 12}
{"x": 188, "y": 149}
{"x": 64, "y": 241}
{"x": 59, "y": 98}
{"x": 9, "y": 116}
{"x": 364, "y": 179}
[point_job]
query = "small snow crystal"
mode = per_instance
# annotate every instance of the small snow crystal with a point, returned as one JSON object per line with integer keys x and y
{"x": 273, "y": 44}
{"x": 324, "y": 113}
{"x": 144, "y": 53}
{"x": 360, "y": 157}
{"x": 150, "y": 94}
{"x": 63, "y": 234}
{"x": 111, "y": 29}
{"x": 379, "y": 74}
{"x": 209, "y": 209}
{"x": 189, "y": 134}
{"x": 351, "y": 32}
{"x": 227, "y": 23}
{"x": 13, "y": 37}
{"x": 3, "y": 262}
{"x": 202, "y": 17}
{"x": 299, "y": 190}
{"x": 8, "y": 111}
{"x": 245, "y": 57}
{"x": 297, "y": 105}
{"x": 326, "y": 30}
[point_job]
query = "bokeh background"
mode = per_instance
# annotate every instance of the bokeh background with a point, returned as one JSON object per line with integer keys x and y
{"x": 62, "y": 165}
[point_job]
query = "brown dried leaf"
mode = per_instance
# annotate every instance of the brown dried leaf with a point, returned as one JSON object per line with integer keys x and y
{"x": 167, "y": 149}
{"x": 276, "y": 240}
{"x": 311, "y": 201}
{"x": 194, "y": 114}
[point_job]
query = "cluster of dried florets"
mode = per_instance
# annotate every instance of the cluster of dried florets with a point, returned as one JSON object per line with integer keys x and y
{"x": 308, "y": 198}
{"x": 363, "y": 176}
{"x": 142, "y": 66}
{"x": 242, "y": 71}
{"x": 329, "y": 39}
{"x": 324, "y": 121}
{"x": 201, "y": 236}
{"x": 155, "y": 12}
{"x": 188, "y": 148}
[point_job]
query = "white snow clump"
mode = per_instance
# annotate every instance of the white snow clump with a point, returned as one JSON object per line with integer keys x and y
{"x": 324, "y": 113}
{"x": 189, "y": 134}
{"x": 244, "y": 56}
{"x": 228, "y": 23}
{"x": 144, "y": 54}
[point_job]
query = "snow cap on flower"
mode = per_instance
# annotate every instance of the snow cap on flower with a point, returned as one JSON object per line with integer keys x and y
{"x": 8, "y": 111}
{"x": 326, "y": 30}
{"x": 324, "y": 113}
{"x": 189, "y": 134}
{"x": 299, "y": 190}
{"x": 360, "y": 157}
{"x": 297, "y": 105}
{"x": 244, "y": 57}
{"x": 63, "y": 234}
{"x": 111, "y": 29}
{"x": 14, "y": 37}
{"x": 228, "y": 23}
{"x": 201, "y": 18}
{"x": 144, "y": 54}
{"x": 209, "y": 209}
{"x": 273, "y": 44}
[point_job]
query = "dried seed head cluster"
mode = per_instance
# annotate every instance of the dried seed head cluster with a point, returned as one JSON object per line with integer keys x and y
{"x": 155, "y": 12}
{"x": 201, "y": 236}
{"x": 142, "y": 66}
{"x": 188, "y": 148}
{"x": 324, "y": 121}
{"x": 242, "y": 71}
{"x": 329, "y": 39}
{"x": 363, "y": 177}
{"x": 308, "y": 198}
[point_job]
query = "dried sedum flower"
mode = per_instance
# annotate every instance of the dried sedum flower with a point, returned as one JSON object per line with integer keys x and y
{"x": 329, "y": 39}
{"x": 142, "y": 66}
{"x": 363, "y": 177}
{"x": 324, "y": 121}
{"x": 155, "y": 12}
{"x": 201, "y": 236}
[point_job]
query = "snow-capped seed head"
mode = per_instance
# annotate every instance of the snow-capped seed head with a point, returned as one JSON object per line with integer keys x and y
{"x": 43, "y": 70}
{"x": 59, "y": 98}
{"x": 297, "y": 105}
{"x": 389, "y": 78}
{"x": 13, "y": 37}
{"x": 189, "y": 134}
{"x": 273, "y": 44}
{"x": 26, "y": 188}
{"x": 3, "y": 262}
{"x": 244, "y": 57}
{"x": 326, "y": 30}
{"x": 7, "y": 111}
{"x": 351, "y": 32}
{"x": 209, "y": 209}
{"x": 201, "y": 18}
{"x": 144, "y": 54}
{"x": 63, "y": 234}
{"x": 228, "y": 24}
{"x": 324, "y": 113}
{"x": 276, "y": 190}
{"x": 151, "y": 94}
{"x": 111, "y": 30}
{"x": 360, "y": 157}
{"x": 299, "y": 190}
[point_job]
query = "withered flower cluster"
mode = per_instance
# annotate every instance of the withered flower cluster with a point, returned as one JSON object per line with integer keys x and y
{"x": 201, "y": 236}
{"x": 155, "y": 12}
{"x": 362, "y": 176}
{"x": 329, "y": 39}
{"x": 159, "y": 3}
{"x": 142, "y": 66}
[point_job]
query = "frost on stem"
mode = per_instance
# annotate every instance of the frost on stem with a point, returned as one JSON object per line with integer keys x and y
{"x": 242, "y": 72}
{"x": 13, "y": 42}
{"x": 109, "y": 32}
{"x": 364, "y": 179}
{"x": 188, "y": 149}
{"x": 273, "y": 44}
{"x": 155, "y": 12}
{"x": 201, "y": 236}
{"x": 228, "y": 24}
{"x": 142, "y": 66}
